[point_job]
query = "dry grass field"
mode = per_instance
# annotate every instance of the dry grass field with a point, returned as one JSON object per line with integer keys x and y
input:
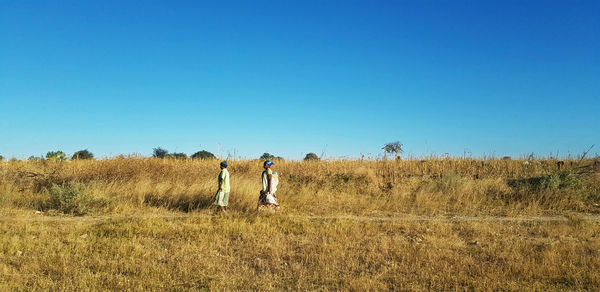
{"x": 433, "y": 224}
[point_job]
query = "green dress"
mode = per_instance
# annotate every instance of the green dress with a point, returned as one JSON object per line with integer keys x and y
{"x": 222, "y": 197}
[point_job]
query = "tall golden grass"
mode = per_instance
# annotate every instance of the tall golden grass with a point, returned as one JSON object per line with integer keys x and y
{"x": 434, "y": 186}
{"x": 147, "y": 224}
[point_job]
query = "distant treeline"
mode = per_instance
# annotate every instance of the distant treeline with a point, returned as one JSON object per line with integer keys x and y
{"x": 158, "y": 152}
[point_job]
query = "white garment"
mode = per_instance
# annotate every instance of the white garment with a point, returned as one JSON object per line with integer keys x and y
{"x": 274, "y": 181}
{"x": 220, "y": 198}
{"x": 270, "y": 199}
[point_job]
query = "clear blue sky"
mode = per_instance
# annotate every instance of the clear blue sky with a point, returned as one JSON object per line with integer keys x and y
{"x": 494, "y": 77}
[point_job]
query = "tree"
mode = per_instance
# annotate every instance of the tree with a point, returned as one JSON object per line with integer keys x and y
{"x": 56, "y": 155}
{"x": 82, "y": 154}
{"x": 393, "y": 147}
{"x": 178, "y": 156}
{"x": 203, "y": 155}
{"x": 159, "y": 153}
{"x": 311, "y": 157}
{"x": 1, "y": 157}
{"x": 267, "y": 156}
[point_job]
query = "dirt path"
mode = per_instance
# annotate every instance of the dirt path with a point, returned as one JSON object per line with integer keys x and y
{"x": 454, "y": 218}
{"x": 57, "y": 219}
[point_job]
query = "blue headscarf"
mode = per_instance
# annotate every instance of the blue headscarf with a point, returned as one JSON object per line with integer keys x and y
{"x": 224, "y": 163}
{"x": 269, "y": 162}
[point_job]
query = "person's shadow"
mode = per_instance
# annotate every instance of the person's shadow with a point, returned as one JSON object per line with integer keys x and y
{"x": 179, "y": 202}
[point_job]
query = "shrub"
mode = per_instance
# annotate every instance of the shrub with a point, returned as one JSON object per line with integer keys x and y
{"x": 73, "y": 198}
{"x": 35, "y": 158}
{"x": 178, "y": 156}
{"x": 1, "y": 158}
{"x": 159, "y": 153}
{"x": 311, "y": 157}
{"x": 203, "y": 155}
{"x": 552, "y": 188}
{"x": 56, "y": 155}
{"x": 83, "y": 154}
{"x": 561, "y": 180}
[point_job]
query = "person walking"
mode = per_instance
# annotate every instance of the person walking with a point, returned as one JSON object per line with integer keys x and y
{"x": 269, "y": 187}
{"x": 222, "y": 196}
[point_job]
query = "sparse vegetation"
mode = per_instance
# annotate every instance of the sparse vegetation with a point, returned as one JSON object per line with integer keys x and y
{"x": 35, "y": 158}
{"x": 56, "y": 156}
{"x": 146, "y": 224}
{"x": 73, "y": 198}
{"x": 178, "y": 155}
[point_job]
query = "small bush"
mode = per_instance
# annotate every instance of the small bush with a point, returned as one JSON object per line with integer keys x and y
{"x": 35, "y": 158}
{"x": 311, "y": 157}
{"x": 74, "y": 199}
{"x": 562, "y": 186}
{"x": 182, "y": 156}
{"x": 562, "y": 180}
{"x": 56, "y": 155}
{"x": 203, "y": 155}
{"x": 82, "y": 154}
